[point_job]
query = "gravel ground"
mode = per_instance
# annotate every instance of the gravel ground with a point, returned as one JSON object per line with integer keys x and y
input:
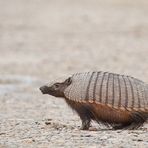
{"x": 41, "y": 40}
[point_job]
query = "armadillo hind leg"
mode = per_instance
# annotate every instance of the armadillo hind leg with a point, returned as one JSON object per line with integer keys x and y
{"x": 130, "y": 126}
{"x": 137, "y": 120}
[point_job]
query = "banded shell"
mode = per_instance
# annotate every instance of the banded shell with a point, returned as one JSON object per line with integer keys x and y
{"x": 117, "y": 91}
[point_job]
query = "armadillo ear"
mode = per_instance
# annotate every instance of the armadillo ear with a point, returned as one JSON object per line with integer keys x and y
{"x": 68, "y": 81}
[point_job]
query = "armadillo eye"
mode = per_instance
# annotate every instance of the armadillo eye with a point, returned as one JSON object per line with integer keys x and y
{"x": 56, "y": 85}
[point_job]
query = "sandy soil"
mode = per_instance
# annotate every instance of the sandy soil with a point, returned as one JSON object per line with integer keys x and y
{"x": 41, "y": 40}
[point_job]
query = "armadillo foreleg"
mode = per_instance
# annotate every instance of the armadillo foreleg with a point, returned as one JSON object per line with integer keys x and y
{"x": 85, "y": 115}
{"x": 85, "y": 124}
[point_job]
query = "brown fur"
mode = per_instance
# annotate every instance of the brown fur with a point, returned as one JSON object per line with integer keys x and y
{"x": 117, "y": 118}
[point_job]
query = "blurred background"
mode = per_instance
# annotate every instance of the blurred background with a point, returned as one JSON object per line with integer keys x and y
{"x": 46, "y": 38}
{"x": 41, "y": 40}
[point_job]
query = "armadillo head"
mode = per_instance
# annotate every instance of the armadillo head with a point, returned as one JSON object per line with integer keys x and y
{"x": 56, "y": 89}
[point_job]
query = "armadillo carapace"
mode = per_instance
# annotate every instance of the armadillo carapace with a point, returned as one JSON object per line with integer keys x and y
{"x": 112, "y": 99}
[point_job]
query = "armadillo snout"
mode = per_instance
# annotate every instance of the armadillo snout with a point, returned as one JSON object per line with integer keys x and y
{"x": 44, "y": 89}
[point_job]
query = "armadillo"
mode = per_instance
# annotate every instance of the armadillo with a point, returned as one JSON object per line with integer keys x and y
{"x": 111, "y": 99}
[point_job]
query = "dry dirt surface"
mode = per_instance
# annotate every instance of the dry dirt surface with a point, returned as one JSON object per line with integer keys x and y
{"x": 41, "y": 40}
